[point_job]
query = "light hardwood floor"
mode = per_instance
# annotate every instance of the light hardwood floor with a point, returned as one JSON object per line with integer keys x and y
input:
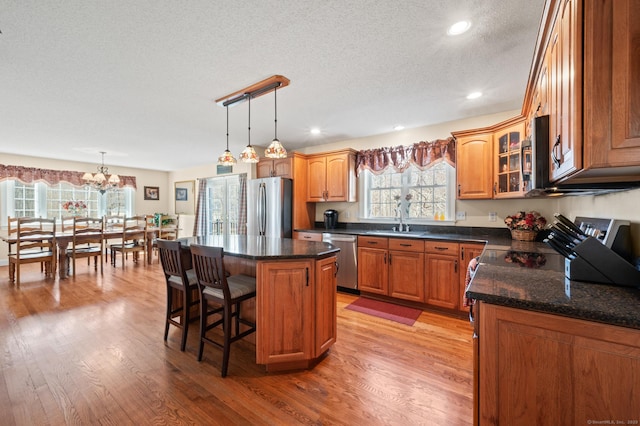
{"x": 90, "y": 351}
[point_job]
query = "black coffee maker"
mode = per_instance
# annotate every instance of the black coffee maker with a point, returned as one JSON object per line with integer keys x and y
{"x": 330, "y": 218}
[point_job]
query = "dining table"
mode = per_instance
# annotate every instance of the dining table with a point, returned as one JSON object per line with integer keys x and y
{"x": 63, "y": 239}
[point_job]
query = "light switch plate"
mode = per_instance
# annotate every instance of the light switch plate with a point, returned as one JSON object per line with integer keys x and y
{"x": 493, "y": 216}
{"x": 461, "y": 215}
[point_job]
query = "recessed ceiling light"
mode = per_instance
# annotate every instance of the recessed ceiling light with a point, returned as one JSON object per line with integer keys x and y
{"x": 474, "y": 95}
{"x": 459, "y": 28}
{"x": 398, "y": 127}
{"x": 315, "y": 131}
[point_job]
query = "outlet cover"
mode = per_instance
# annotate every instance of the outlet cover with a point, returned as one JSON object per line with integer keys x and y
{"x": 493, "y": 216}
{"x": 461, "y": 215}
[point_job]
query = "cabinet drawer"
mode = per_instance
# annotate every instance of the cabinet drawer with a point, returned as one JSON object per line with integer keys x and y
{"x": 441, "y": 247}
{"x": 406, "y": 244}
{"x": 373, "y": 242}
{"x": 308, "y": 236}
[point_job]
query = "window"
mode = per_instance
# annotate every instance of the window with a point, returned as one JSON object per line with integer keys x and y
{"x": 417, "y": 195}
{"x": 223, "y": 197}
{"x": 40, "y": 200}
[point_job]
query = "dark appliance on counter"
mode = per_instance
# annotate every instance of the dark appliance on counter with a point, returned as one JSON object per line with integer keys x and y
{"x": 595, "y": 250}
{"x": 330, "y": 219}
{"x": 536, "y": 161}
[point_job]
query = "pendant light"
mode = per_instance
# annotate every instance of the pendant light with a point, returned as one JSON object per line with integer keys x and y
{"x": 227, "y": 158}
{"x": 249, "y": 154}
{"x": 275, "y": 149}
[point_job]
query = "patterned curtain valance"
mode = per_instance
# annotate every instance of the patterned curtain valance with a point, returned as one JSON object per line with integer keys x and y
{"x": 52, "y": 177}
{"x": 422, "y": 154}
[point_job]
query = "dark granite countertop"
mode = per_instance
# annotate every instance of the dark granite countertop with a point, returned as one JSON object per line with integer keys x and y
{"x": 531, "y": 276}
{"x": 263, "y": 248}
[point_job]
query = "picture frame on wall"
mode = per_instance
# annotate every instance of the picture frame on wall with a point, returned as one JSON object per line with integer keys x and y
{"x": 185, "y": 197}
{"x": 152, "y": 193}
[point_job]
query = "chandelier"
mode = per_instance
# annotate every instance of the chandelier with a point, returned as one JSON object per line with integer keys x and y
{"x": 101, "y": 181}
{"x": 249, "y": 155}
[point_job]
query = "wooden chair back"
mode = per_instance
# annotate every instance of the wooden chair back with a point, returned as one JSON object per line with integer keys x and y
{"x": 35, "y": 243}
{"x": 169, "y": 225}
{"x": 174, "y": 263}
{"x": 88, "y": 240}
{"x": 208, "y": 264}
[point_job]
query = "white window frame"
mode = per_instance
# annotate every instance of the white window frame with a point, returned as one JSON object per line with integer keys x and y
{"x": 364, "y": 184}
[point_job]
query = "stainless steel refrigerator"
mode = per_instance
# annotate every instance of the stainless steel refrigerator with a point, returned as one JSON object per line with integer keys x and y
{"x": 269, "y": 207}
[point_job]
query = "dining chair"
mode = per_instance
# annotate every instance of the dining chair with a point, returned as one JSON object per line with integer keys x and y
{"x": 179, "y": 276}
{"x": 35, "y": 243}
{"x": 133, "y": 239}
{"x": 87, "y": 242}
{"x": 169, "y": 225}
{"x": 226, "y": 293}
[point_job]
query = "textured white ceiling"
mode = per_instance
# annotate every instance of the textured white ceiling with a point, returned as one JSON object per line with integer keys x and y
{"x": 137, "y": 78}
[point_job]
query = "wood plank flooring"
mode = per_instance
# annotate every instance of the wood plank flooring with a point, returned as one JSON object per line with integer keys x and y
{"x": 90, "y": 351}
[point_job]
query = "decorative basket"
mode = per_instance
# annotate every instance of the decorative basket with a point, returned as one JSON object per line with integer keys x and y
{"x": 522, "y": 235}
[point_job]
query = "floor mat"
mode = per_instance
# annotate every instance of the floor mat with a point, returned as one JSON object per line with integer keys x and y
{"x": 390, "y": 311}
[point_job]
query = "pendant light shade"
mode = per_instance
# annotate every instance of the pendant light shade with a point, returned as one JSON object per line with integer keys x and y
{"x": 227, "y": 158}
{"x": 249, "y": 154}
{"x": 275, "y": 149}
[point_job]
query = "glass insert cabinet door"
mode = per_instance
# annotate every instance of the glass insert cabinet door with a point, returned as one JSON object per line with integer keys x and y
{"x": 508, "y": 162}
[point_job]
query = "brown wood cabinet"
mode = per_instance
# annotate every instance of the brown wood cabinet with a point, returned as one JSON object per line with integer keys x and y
{"x": 467, "y": 252}
{"x": 474, "y": 165}
{"x": 373, "y": 269}
{"x": 331, "y": 176}
{"x": 488, "y": 161}
{"x": 443, "y": 279}
{"x": 586, "y": 76}
{"x": 297, "y": 319}
{"x": 269, "y": 167}
{"x": 307, "y": 236}
{"x": 537, "y": 368}
{"x": 406, "y": 269}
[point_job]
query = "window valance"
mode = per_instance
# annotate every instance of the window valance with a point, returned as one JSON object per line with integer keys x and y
{"x": 421, "y": 154}
{"x": 53, "y": 177}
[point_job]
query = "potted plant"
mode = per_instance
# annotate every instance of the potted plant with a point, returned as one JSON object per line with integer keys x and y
{"x": 525, "y": 226}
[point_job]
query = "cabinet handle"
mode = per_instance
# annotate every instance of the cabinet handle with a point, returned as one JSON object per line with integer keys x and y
{"x": 495, "y": 188}
{"x": 307, "y": 270}
{"x": 372, "y": 242}
{"x": 335, "y": 274}
{"x": 458, "y": 190}
{"x": 389, "y": 258}
{"x": 307, "y": 237}
{"x": 406, "y": 245}
{"x": 441, "y": 248}
{"x": 556, "y": 159}
{"x": 455, "y": 266}
{"x": 462, "y": 253}
{"x": 385, "y": 258}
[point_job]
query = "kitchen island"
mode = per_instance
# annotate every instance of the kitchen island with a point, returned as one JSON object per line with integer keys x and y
{"x": 295, "y": 305}
{"x": 549, "y": 350}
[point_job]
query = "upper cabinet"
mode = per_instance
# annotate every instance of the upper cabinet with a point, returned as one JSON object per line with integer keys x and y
{"x": 331, "y": 176}
{"x": 488, "y": 161}
{"x": 586, "y": 76}
{"x": 268, "y": 167}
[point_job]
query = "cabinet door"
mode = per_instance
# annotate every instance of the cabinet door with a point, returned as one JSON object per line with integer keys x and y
{"x": 535, "y": 366}
{"x": 443, "y": 280}
{"x": 282, "y": 167}
{"x": 372, "y": 270}
{"x": 406, "y": 275}
{"x": 325, "y": 302}
{"x": 474, "y": 166}
{"x": 316, "y": 179}
{"x": 565, "y": 114}
{"x": 612, "y": 83}
{"x": 264, "y": 168}
{"x": 337, "y": 177}
{"x": 467, "y": 252}
{"x": 508, "y": 164}
{"x": 284, "y": 329}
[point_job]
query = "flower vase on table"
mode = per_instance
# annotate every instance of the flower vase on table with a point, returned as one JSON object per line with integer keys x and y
{"x": 75, "y": 208}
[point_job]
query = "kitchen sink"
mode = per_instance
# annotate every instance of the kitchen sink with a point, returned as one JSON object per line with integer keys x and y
{"x": 386, "y": 233}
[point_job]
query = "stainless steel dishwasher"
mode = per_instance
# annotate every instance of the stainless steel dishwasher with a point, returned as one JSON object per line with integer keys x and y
{"x": 347, "y": 276}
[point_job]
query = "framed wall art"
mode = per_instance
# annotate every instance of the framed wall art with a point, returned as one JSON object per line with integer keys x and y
{"x": 185, "y": 197}
{"x": 151, "y": 193}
